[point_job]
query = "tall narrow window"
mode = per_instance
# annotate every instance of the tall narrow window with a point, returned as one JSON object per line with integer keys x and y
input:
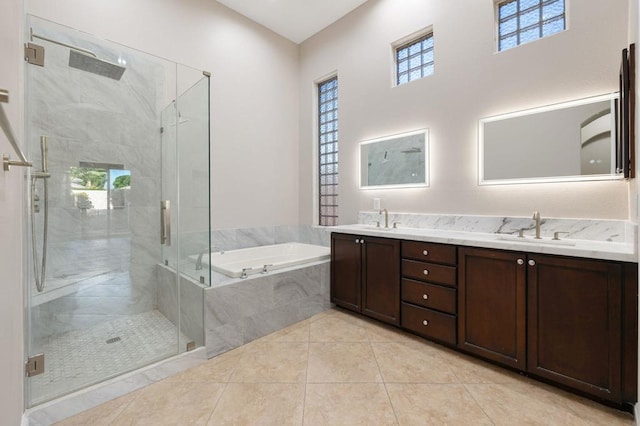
{"x": 522, "y": 21}
{"x": 328, "y": 151}
{"x": 414, "y": 59}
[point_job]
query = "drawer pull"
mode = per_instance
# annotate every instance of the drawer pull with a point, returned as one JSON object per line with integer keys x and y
{"x": 425, "y": 296}
{"x": 425, "y": 322}
{"x": 425, "y": 252}
{"x": 426, "y": 272}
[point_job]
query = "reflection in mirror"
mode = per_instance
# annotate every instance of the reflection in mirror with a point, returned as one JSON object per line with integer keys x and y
{"x": 397, "y": 161}
{"x": 563, "y": 142}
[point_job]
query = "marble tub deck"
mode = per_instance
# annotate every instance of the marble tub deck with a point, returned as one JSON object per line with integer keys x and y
{"x": 339, "y": 368}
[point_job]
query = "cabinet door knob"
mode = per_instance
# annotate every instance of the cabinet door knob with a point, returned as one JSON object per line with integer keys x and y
{"x": 532, "y": 262}
{"x": 426, "y": 272}
{"x": 362, "y": 241}
{"x": 425, "y": 252}
{"x": 520, "y": 262}
{"x": 425, "y": 296}
{"x": 357, "y": 241}
{"x": 425, "y": 322}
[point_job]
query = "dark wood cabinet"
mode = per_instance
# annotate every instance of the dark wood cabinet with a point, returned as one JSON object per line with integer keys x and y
{"x": 567, "y": 320}
{"x": 346, "y": 271}
{"x": 575, "y": 323}
{"x": 492, "y": 305}
{"x": 570, "y": 321}
{"x": 365, "y": 275}
{"x": 429, "y": 282}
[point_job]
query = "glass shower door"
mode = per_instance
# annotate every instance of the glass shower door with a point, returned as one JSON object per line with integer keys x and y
{"x": 94, "y": 126}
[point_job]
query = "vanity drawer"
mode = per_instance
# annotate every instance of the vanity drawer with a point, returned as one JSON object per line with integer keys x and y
{"x": 430, "y": 272}
{"x": 429, "y": 295}
{"x": 429, "y": 323}
{"x": 430, "y": 252}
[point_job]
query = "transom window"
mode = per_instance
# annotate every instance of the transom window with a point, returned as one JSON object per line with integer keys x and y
{"x": 522, "y": 21}
{"x": 414, "y": 60}
{"x": 328, "y": 151}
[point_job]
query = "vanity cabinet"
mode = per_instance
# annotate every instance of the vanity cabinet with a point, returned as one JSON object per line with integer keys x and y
{"x": 575, "y": 323}
{"x": 558, "y": 318}
{"x": 365, "y": 275}
{"x": 492, "y": 305}
{"x": 429, "y": 282}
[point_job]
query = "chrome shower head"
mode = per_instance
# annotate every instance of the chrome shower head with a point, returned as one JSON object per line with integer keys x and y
{"x": 95, "y": 65}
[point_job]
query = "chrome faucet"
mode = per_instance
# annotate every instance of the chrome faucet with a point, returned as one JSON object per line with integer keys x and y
{"x": 199, "y": 260}
{"x": 536, "y": 217}
{"x": 386, "y": 217}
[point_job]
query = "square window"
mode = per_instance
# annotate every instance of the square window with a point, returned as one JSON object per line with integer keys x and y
{"x": 522, "y": 21}
{"x": 414, "y": 60}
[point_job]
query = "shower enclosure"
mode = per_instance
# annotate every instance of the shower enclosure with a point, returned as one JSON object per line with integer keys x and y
{"x": 119, "y": 140}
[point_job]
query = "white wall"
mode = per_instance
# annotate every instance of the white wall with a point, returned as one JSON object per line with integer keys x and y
{"x": 470, "y": 82}
{"x": 11, "y": 182}
{"x": 253, "y": 93}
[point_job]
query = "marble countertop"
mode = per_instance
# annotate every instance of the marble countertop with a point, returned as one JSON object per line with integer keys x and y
{"x": 625, "y": 252}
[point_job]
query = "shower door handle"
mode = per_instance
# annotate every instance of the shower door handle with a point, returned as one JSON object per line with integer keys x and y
{"x": 165, "y": 222}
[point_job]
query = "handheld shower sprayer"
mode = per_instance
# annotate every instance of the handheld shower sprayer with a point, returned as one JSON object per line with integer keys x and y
{"x": 39, "y": 271}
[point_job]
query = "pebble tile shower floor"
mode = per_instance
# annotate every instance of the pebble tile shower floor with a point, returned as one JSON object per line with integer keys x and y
{"x": 83, "y": 357}
{"x": 340, "y": 369}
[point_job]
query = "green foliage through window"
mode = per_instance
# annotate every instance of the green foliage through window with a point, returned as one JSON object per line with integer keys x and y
{"x": 89, "y": 178}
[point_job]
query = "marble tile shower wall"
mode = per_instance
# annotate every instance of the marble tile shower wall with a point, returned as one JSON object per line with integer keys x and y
{"x": 90, "y": 118}
{"x": 581, "y": 229}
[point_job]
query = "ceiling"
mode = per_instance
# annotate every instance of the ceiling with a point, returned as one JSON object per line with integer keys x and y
{"x": 296, "y": 20}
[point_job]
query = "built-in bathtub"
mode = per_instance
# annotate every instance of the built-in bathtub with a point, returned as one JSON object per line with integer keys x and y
{"x": 263, "y": 259}
{"x": 239, "y": 310}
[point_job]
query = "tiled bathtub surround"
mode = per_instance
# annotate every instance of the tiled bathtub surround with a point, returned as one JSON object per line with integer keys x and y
{"x": 580, "y": 229}
{"x": 242, "y": 310}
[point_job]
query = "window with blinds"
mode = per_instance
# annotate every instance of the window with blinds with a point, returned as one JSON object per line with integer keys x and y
{"x": 328, "y": 151}
{"x": 522, "y": 21}
{"x": 414, "y": 60}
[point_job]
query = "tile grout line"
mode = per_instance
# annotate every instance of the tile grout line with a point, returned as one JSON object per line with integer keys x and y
{"x": 226, "y": 384}
{"x": 384, "y": 382}
{"x": 124, "y": 408}
{"x": 306, "y": 373}
{"x": 466, "y": 389}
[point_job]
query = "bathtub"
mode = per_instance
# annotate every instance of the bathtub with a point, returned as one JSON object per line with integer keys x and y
{"x": 253, "y": 260}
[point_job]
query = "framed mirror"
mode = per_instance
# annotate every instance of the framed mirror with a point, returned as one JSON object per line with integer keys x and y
{"x": 397, "y": 161}
{"x": 570, "y": 141}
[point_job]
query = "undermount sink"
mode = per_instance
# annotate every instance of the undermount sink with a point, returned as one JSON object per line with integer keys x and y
{"x": 532, "y": 240}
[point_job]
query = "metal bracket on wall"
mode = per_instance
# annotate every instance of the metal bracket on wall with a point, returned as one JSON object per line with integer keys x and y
{"x": 8, "y": 131}
{"x": 34, "y": 365}
{"x": 34, "y": 54}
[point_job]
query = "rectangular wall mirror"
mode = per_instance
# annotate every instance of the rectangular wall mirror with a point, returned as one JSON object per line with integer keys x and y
{"x": 564, "y": 142}
{"x": 397, "y": 161}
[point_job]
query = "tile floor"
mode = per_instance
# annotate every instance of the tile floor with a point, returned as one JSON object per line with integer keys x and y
{"x": 338, "y": 368}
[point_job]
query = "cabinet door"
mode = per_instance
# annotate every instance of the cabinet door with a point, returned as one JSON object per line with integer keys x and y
{"x": 381, "y": 279}
{"x": 575, "y": 323}
{"x": 345, "y": 271}
{"x": 491, "y": 305}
